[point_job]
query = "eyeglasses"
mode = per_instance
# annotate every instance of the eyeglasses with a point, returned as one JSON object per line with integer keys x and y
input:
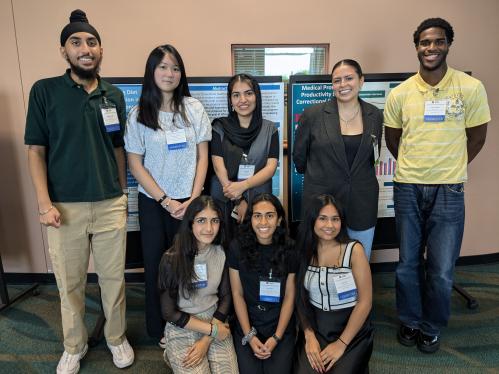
{"x": 269, "y": 216}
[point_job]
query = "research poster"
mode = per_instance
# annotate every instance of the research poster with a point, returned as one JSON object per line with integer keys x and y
{"x": 305, "y": 94}
{"x": 213, "y": 96}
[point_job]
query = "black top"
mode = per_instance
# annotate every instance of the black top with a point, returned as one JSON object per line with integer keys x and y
{"x": 319, "y": 153}
{"x": 352, "y": 144}
{"x": 216, "y": 146}
{"x": 264, "y": 316}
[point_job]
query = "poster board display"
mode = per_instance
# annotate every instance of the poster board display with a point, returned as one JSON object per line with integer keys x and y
{"x": 212, "y": 92}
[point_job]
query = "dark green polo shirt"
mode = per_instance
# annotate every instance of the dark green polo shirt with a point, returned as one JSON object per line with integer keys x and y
{"x": 62, "y": 116}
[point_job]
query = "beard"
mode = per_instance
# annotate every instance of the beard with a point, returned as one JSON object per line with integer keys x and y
{"x": 85, "y": 74}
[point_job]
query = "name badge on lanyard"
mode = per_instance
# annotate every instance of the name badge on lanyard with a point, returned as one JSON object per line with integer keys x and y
{"x": 270, "y": 289}
{"x": 434, "y": 110}
{"x": 345, "y": 286}
{"x": 246, "y": 170}
{"x": 110, "y": 116}
{"x": 201, "y": 275}
{"x": 376, "y": 150}
{"x": 176, "y": 139}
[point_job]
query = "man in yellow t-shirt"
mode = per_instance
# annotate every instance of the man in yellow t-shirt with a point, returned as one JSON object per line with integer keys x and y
{"x": 435, "y": 124}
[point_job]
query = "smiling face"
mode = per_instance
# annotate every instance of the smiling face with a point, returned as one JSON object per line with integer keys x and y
{"x": 432, "y": 49}
{"x": 243, "y": 99}
{"x": 205, "y": 227}
{"x": 167, "y": 74}
{"x": 83, "y": 53}
{"x": 346, "y": 83}
{"x": 328, "y": 223}
{"x": 264, "y": 221}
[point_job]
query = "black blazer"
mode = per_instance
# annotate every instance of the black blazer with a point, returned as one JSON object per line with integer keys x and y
{"x": 319, "y": 153}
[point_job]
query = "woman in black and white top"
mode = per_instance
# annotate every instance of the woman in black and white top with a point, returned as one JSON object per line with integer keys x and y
{"x": 195, "y": 295}
{"x": 334, "y": 294}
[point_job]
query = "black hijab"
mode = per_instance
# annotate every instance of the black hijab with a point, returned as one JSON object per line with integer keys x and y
{"x": 237, "y": 138}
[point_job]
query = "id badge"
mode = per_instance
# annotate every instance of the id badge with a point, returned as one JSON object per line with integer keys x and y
{"x": 245, "y": 172}
{"x": 345, "y": 285}
{"x": 201, "y": 275}
{"x": 110, "y": 117}
{"x": 176, "y": 139}
{"x": 376, "y": 149}
{"x": 434, "y": 110}
{"x": 270, "y": 290}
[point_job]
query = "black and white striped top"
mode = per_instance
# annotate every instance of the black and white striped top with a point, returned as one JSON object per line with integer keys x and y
{"x": 320, "y": 283}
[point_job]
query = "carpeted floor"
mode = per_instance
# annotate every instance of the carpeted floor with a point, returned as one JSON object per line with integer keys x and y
{"x": 30, "y": 332}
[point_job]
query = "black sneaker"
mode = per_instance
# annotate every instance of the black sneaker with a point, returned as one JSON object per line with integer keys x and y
{"x": 407, "y": 336}
{"x": 428, "y": 343}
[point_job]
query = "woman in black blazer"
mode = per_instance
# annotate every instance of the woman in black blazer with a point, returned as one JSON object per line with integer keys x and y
{"x": 336, "y": 146}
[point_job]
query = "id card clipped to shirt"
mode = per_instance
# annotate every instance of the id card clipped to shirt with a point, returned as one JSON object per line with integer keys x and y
{"x": 270, "y": 289}
{"x": 176, "y": 139}
{"x": 246, "y": 170}
{"x": 434, "y": 110}
{"x": 201, "y": 271}
{"x": 345, "y": 285}
{"x": 110, "y": 116}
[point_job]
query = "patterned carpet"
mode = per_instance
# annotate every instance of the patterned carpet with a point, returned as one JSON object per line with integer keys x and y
{"x": 30, "y": 332}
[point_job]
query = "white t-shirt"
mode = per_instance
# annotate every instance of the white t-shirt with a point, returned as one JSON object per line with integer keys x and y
{"x": 172, "y": 169}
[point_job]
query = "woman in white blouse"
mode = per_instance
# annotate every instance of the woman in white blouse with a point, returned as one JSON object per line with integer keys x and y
{"x": 334, "y": 294}
{"x": 167, "y": 144}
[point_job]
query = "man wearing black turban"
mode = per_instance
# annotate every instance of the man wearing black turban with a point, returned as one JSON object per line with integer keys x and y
{"x": 74, "y": 133}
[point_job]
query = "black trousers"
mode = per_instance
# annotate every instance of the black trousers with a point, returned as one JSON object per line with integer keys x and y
{"x": 280, "y": 362}
{"x": 157, "y": 229}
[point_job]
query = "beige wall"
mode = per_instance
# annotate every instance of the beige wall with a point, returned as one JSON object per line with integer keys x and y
{"x": 377, "y": 33}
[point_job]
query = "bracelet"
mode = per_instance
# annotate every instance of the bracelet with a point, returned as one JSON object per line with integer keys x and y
{"x": 213, "y": 330}
{"x": 46, "y": 211}
{"x": 162, "y": 198}
{"x": 341, "y": 340}
{"x": 246, "y": 339}
{"x": 276, "y": 338}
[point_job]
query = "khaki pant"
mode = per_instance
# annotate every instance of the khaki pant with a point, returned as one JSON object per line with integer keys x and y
{"x": 100, "y": 228}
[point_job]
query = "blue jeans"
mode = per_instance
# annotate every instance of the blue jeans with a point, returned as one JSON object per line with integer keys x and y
{"x": 430, "y": 216}
{"x": 365, "y": 237}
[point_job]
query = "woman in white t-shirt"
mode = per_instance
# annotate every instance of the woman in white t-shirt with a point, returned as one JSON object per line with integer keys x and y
{"x": 167, "y": 144}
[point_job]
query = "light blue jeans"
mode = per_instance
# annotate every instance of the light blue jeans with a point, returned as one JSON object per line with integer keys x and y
{"x": 365, "y": 237}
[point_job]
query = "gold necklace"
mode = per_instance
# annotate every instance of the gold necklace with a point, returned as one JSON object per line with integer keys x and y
{"x": 347, "y": 121}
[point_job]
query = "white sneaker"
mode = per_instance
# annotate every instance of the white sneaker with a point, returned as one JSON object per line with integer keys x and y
{"x": 123, "y": 355}
{"x": 70, "y": 364}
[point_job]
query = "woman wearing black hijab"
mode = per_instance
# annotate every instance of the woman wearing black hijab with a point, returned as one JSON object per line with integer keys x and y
{"x": 244, "y": 151}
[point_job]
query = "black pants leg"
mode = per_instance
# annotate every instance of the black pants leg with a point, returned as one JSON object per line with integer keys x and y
{"x": 157, "y": 229}
{"x": 280, "y": 362}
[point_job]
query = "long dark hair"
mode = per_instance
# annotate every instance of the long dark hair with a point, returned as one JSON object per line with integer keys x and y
{"x": 307, "y": 243}
{"x": 248, "y": 241}
{"x": 251, "y": 81}
{"x": 151, "y": 97}
{"x": 176, "y": 269}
